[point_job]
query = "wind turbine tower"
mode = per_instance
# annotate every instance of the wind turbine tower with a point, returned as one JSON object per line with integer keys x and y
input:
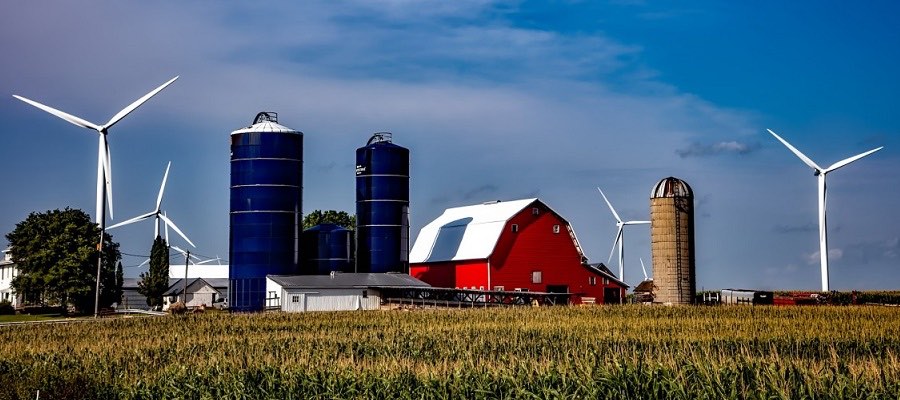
{"x": 820, "y": 174}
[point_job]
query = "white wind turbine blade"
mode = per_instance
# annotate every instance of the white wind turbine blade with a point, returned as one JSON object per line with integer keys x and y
{"x": 793, "y": 149}
{"x": 162, "y": 187}
{"x": 644, "y": 269}
{"x": 209, "y": 261}
{"x": 615, "y": 244}
{"x": 133, "y": 220}
{"x": 144, "y": 262}
{"x": 172, "y": 224}
{"x": 107, "y": 172}
{"x": 184, "y": 252}
{"x": 137, "y": 103}
{"x": 166, "y": 226}
{"x": 66, "y": 116}
{"x": 850, "y": 160}
{"x": 615, "y": 214}
{"x": 636, "y": 223}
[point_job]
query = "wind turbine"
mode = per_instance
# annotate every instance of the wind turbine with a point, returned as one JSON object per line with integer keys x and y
{"x": 821, "y": 173}
{"x": 158, "y": 214}
{"x": 104, "y": 174}
{"x": 620, "y": 236}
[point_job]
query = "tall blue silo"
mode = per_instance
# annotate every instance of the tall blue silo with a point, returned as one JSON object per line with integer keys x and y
{"x": 266, "y": 208}
{"x": 382, "y": 206}
{"x": 326, "y": 248}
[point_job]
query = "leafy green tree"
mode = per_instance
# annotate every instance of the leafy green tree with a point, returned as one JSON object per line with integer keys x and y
{"x": 154, "y": 282}
{"x": 341, "y": 218}
{"x": 56, "y": 254}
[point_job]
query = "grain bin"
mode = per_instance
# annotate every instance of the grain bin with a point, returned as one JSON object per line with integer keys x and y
{"x": 382, "y": 206}
{"x": 672, "y": 241}
{"x": 266, "y": 208}
{"x": 326, "y": 248}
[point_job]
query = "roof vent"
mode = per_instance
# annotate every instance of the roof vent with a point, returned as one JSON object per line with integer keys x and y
{"x": 490, "y": 202}
{"x": 266, "y": 116}
{"x": 378, "y": 137}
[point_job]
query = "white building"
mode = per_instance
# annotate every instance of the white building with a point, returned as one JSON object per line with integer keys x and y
{"x": 335, "y": 292}
{"x": 207, "y": 292}
{"x": 8, "y": 271}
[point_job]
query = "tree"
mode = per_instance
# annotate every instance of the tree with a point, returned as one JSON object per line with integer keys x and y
{"x": 114, "y": 281}
{"x": 341, "y": 218}
{"x": 155, "y": 281}
{"x": 56, "y": 254}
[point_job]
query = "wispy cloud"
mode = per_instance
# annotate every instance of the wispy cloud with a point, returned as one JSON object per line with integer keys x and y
{"x": 833, "y": 255}
{"x": 479, "y": 192}
{"x": 698, "y": 149}
{"x": 808, "y": 227}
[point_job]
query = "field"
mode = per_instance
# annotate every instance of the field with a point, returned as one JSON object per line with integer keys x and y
{"x": 617, "y": 352}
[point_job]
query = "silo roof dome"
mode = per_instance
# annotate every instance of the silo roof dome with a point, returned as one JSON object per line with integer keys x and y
{"x": 265, "y": 121}
{"x": 671, "y": 187}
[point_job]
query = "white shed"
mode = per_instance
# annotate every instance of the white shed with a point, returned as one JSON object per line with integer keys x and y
{"x": 207, "y": 292}
{"x": 335, "y": 292}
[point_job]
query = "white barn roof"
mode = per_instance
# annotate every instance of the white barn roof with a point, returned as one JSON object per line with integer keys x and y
{"x": 465, "y": 233}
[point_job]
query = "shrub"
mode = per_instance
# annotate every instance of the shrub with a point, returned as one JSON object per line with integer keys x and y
{"x": 6, "y": 308}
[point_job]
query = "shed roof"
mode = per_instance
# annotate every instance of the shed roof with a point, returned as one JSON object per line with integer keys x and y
{"x": 347, "y": 280}
{"x": 465, "y": 233}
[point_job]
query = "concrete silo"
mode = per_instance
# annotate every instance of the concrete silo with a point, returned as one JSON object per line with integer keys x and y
{"x": 382, "y": 206}
{"x": 266, "y": 208}
{"x": 672, "y": 241}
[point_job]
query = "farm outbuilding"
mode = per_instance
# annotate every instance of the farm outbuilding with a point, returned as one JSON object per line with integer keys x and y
{"x": 334, "y": 292}
{"x": 207, "y": 292}
{"x": 519, "y": 245}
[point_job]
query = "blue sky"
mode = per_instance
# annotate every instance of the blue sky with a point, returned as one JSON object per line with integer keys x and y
{"x": 496, "y": 101}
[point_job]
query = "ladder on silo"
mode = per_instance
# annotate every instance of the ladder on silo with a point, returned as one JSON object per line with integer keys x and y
{"x": 679, "y": 208}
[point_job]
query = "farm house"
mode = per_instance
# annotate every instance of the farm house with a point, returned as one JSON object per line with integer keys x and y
{"x": 519, "y": 245}
{"x": 334, "y": 292}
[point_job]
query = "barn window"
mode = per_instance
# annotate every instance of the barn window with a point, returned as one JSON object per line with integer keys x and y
{"x": 592, "y": 280}
{"x": 295, "y": 299}
{"x": 555, "y": 228}
{"x": 535, "y": 211}
{"x": 536, "y": 277}
{"x": 499, "y": 288}
{"x": 514, "y": 228}
{"x": 365, "y": 294}
{"x": 606, "y": 281}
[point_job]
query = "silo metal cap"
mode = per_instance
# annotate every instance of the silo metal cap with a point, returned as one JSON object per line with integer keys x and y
{"x": 266, "y": 121}
{"x": 671, "y": 187}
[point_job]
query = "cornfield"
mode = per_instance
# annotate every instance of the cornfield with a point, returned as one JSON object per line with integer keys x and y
{"x": 611, "y": 352}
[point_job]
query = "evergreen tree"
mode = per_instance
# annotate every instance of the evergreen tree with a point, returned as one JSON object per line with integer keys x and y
{"x": 111, "y": 286}
{"x": 56, "y": 254}
{"x": 155, "y": 282}
{"x": 341, "y": 218}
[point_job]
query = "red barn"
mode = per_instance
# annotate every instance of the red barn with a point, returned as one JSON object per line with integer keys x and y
{"x": 512, "y": 245}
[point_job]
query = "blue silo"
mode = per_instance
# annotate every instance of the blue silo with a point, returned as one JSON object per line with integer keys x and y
{"x": 266, "y": 208}
{"x": 326, "y": 248}
{"x": 382, "y": 206}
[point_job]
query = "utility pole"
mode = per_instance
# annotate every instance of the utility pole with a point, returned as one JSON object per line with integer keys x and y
{"x": 102, "y": 218}
{"x": 187, "y": 257}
